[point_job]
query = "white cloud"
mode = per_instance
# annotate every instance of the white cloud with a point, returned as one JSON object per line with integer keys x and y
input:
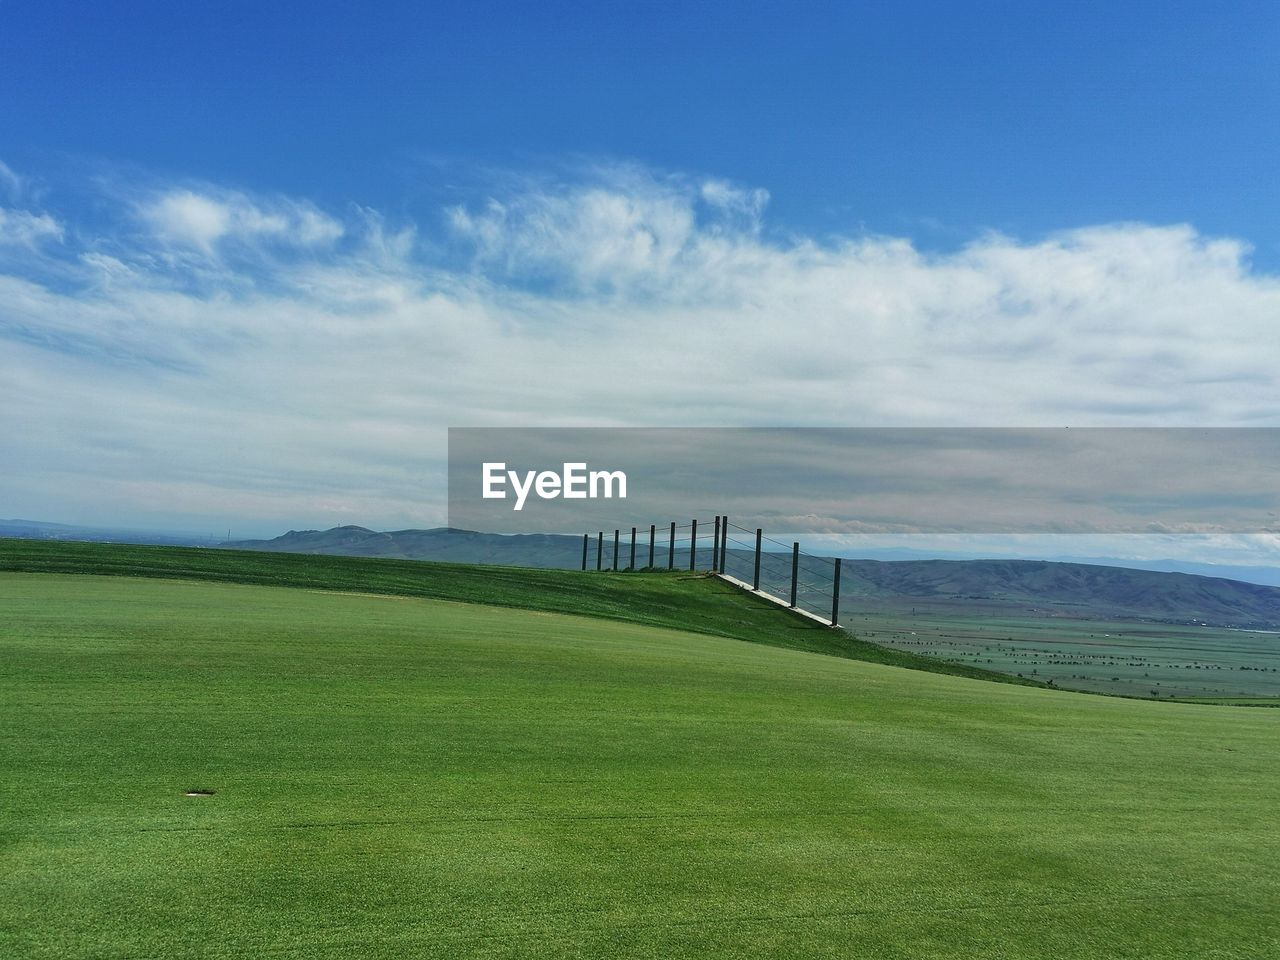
{"x": 24, "y": 229}
{"x": 726, "y": 196}
{"x": 205, "y": 219}
{"x": 189, "y": 218}
{"x": 625, "y": 231}
{"x": 315, "y": 387}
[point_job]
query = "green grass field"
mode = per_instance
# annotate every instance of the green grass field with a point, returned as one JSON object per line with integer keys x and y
{"x": 693, "y": 602}
{"x": 402, "y": 776}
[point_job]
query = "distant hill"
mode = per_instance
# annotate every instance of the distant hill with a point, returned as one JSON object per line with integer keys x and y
{"x": 1085, "y": 589}
{"x": 1082, "y": 589}
{"x": 439, "y": 543}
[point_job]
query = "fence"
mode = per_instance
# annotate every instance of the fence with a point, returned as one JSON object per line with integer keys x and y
{"x": 771, "y": 568}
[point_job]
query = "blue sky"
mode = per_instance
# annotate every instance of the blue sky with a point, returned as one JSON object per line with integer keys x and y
{"x": 927, "y": 120}
{"x": 256, "y": 258}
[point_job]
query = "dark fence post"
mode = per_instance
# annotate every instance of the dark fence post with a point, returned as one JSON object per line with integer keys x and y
{"x": 653, "y": 533}
{"x": 835, "y": 595}
{"x": 724, "y": 541}
{"x": 795, "y": 570}
{"x": 671, "y": 548}
{"x": 633, "y": 549}
{"x": 586, "y": 539}
{"x": 693, "y": 544}
{"x": 600, "y": 551}
{"x": 755, "y": 579}
{"x": 715, "y": 547}
{"x": 615, "y": 549}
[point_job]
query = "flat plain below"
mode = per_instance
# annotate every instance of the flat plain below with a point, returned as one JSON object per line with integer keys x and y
{"x": 1134, "y": 658}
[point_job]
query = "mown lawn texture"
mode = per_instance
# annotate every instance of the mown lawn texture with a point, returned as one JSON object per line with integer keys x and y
{"x": 694, "y": 602}
{"x": 406, "y": 777}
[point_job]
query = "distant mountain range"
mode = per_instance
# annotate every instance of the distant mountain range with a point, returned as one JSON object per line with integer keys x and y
{"x": 1269, "y": 576}
{"x": 441, "y": 543}
{"x": 1083, "y": 589}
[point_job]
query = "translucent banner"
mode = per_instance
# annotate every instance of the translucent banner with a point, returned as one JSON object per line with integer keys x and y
{"x": 878, "y": 480}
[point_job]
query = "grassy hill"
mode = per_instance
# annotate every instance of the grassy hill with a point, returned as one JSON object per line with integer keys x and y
{"x": 685, "y": 601}
{"x": 400, "y": 776}
{"x": 1079, "y": 589}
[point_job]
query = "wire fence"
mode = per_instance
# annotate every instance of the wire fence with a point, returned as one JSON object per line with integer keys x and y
{"x": 769, "y": 567}
{"x": 671, "y": 546}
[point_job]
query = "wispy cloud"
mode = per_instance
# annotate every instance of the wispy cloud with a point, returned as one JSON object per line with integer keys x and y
{"x": 204, "y": 351}
{"x": 11, "y": 185}
{"x": 204, "y": 220}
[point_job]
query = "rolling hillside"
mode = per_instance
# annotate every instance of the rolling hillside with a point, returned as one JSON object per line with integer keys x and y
{"x": 1069, "y": 588}
{"x": 691, "y": 602}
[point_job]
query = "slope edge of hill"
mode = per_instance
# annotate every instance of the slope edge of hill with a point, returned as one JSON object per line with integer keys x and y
{"x": 693, "y": 602}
